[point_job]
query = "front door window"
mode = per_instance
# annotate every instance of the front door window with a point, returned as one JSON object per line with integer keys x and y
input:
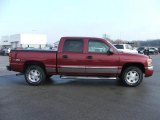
{"x": 97, "y": 47}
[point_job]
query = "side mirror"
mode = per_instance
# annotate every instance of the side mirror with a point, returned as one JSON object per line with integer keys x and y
{"x": 110, "y": 51}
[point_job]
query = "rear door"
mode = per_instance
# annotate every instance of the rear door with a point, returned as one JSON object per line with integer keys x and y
{"x": 99, "y": 62}
{"x": 71, "y": 58}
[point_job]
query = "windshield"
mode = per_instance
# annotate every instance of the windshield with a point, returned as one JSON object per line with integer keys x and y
{"x": 119, "y": 46}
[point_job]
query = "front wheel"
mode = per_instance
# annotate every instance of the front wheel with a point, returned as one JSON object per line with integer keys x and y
{"x": 132, "y": 76}
{"x": 35, "y": 75}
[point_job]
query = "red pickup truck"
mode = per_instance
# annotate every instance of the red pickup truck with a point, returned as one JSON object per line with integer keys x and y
{"x": 81, "y": 56}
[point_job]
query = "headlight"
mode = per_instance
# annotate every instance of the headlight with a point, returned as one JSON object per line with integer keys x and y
{"x": 149, "y": 61}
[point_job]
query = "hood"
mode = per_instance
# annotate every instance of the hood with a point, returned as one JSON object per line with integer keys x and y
{"x": 133, "y": 55}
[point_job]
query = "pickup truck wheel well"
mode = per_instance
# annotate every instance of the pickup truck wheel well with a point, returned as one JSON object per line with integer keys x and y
{"x": 29, "y": 63}
{"x": 139, "y": 65}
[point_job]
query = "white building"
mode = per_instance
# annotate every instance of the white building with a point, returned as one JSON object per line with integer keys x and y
{"x": 24, "y": 40}
{"x": 4, "y": 42}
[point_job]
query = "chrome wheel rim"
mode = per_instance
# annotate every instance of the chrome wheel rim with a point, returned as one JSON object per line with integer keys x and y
{"x": 34, "y": 75}
{"x": 132, "y": 77}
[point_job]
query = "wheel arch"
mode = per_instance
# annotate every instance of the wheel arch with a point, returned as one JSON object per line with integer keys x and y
{"x": 29, "y": 63}
{"x": 133, "y": 64}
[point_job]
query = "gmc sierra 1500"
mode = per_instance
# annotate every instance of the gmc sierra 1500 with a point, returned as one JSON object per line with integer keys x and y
{"x": 81, "y": 56}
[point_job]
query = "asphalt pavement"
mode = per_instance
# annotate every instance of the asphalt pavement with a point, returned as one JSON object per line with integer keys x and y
{"x": 61, "y": 99}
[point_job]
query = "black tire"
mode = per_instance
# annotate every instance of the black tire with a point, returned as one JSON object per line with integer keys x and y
{"x": 35, "y": 75}
{"x": 48, "y": 76}
{"x": 132, "y": 76}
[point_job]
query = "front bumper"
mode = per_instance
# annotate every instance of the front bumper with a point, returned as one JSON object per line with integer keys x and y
{"x": 8, "y": 68}
{"x": 149, "y": 71}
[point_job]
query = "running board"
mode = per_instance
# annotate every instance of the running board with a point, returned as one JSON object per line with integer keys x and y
{"x": 80, "y": 77}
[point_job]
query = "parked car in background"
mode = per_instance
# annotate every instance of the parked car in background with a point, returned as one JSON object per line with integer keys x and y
{"x": 1, "y": 52}
{"x": 5, "y": 51}
{"x": 151, "y": 51}
{"x": 141, "y": 50}
{"x": 159, "y": 50}
{"x": 18, "y": 48}
{"x": 126, "y": 48}
{"x": 47, "y": 48}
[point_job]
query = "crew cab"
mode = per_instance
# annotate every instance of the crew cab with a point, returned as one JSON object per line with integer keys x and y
{"x": 81, "y": 56}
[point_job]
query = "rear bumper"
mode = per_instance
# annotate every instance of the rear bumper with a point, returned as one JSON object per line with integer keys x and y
{"x": 149, "y": 71}
{"x": 8, "y": 68}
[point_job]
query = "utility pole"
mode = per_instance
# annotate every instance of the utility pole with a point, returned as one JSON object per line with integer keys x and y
{"x": 105, "y": 36}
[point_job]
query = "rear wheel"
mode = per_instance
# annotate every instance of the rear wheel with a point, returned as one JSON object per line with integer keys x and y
{"x": 35, "y": 75}
{"x": 132, "y": 76}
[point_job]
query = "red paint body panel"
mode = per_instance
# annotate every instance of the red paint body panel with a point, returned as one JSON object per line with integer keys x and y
{"x": 101, "y": 64}
{"x": 148, "y": 72}
{"x": 48, "y": 59}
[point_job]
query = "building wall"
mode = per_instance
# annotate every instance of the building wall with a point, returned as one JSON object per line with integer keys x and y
{"x": 15, "y": 38}
{"x": 15, "y": 44}
{"x": 24, "y": 40}
{"x": 5, "y": 41}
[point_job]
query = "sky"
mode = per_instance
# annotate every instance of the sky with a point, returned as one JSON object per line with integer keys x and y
{"x": 119, "y": 19}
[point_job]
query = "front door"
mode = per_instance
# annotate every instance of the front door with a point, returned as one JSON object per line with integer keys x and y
{"x": 99, "y": 62}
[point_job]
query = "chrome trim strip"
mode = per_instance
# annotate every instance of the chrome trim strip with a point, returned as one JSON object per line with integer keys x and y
{"x": 71, "y": 70}
{"x": 101, "y": 70}
{"x": 85, "y": 77}
{"x": 88, "y": 69}
{"x": 99, "y": 67}
{"x": 72, "y": 66}
{"x": 51, "y": 69}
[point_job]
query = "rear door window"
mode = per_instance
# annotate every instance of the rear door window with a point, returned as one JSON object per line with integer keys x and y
{"x": 73, "y": 45}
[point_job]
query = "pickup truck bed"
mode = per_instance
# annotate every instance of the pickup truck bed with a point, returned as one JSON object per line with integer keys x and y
{"x": 47, "y": 59}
